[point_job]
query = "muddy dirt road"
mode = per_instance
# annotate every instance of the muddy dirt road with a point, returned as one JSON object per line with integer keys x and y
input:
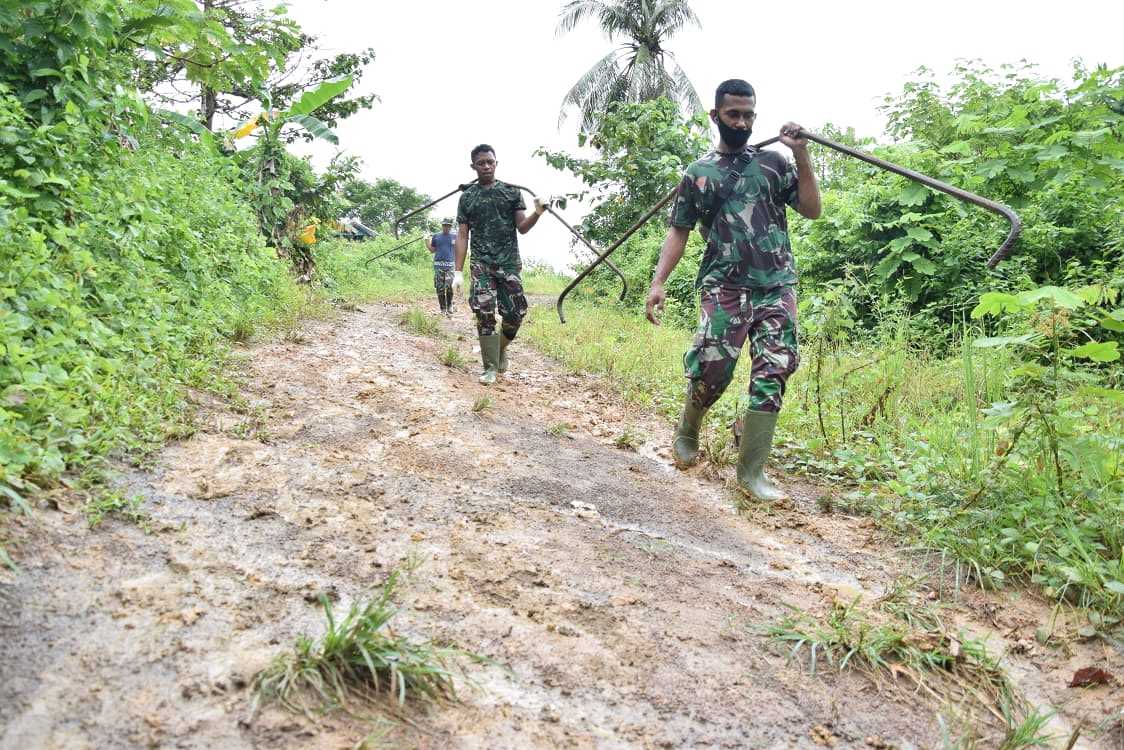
{"x": 622, "y": 601}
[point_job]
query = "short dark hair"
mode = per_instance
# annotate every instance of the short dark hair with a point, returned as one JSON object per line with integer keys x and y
{"x": 733, "y": 87}
{"x": 479, "y": 150}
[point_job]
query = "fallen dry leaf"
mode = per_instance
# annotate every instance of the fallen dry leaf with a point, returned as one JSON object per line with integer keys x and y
{"x": 1087, "y": 676}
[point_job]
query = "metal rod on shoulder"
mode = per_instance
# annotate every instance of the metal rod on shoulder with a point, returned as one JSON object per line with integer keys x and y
{"x": 944, "y": 187}
{"x": 428, "y": 206}
{"x": 604, "y": 256}
{"x": 935, "y": 184}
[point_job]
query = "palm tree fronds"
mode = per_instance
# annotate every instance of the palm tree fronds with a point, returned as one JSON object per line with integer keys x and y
{"x": 599, "y": 78}
{"x": 644, "y": 26}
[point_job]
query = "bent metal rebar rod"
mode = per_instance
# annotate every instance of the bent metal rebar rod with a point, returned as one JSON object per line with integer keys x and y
{"x": 429, "y": 205}
{"x": 549, "y": 208}
{"x": 944, "y": 187}
{"x": 582, "y": 239}
{"x": 391, "y": 250}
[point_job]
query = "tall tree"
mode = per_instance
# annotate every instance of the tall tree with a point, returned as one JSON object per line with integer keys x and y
{"x": 225, "y": 55}
{"x": 379, "y": 203}
{"x": 640, "y": 68}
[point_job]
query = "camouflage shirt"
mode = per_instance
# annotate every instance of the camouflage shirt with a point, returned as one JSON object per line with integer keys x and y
{"x": 748, "y": 247}
{"x": 490, "y": 215}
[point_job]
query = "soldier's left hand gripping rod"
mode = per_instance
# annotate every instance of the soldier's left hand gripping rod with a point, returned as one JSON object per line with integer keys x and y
{"x": 549, "y": 208}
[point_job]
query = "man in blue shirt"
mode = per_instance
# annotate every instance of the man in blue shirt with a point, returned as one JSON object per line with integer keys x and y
{"x": 441, "y": 246}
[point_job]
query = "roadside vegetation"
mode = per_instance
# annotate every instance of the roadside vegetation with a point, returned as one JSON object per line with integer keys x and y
{"x": 903, "y": 647}
{"x": 977, "y": 415}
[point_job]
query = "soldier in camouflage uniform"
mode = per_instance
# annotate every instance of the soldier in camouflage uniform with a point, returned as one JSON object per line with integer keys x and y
{"x": 746, "y": 278}
{"x": 491, "y": 212}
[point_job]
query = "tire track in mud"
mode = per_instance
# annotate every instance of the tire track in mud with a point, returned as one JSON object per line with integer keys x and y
{"x": 625, "y": 598}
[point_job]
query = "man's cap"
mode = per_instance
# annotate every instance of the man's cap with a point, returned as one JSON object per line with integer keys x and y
{"x": 446, "y": 221}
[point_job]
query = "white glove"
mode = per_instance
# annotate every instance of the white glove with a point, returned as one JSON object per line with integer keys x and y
{"x": 541, "y": 204}
{"x": 458, "y": 280}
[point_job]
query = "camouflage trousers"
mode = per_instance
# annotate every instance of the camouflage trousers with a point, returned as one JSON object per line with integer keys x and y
{"x": 727, "y": 317}
{"x": 442, "y": 277}
{"x": 492, "y": 287}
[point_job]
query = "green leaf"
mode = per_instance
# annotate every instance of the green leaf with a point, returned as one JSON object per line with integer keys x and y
{"x": 887, "y": 266}
{"x": 1089, "y": 137}
{"x": 914, "y": 194}
{"x": 1110, "y": 394}
{"x": 960, "y": 147}
{"x": 1052, "y": 153}
{"x": 205, "y": 135}
{"x": 312, "y": 100}
{"x": 992, "y": 168}
{"x": 1098, "y": 351}
{"x": 315, "y": 126}
{"x": 921, "y": 234}
{"x": 1108, "y": 161}
{"x": 1060, "y": 297}
{"x": 924, "y": 265}
{"x": 1116, "y": 587}
{"x": 899, "y": 244}
{"x": 994, "y": 303}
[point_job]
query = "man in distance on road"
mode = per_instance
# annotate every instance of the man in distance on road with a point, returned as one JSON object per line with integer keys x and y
{"x": 441, "y": 248}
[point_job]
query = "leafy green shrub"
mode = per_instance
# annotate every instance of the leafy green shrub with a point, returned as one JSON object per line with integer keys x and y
{"x": 1050, "y": 151}
{"x": 111, "y": 300}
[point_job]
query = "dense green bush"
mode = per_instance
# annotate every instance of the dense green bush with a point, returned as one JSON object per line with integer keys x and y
{"x": 1054, "y": 153}
{"x": 126, "y": 293}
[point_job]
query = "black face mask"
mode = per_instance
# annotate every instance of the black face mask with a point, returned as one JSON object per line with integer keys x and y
{"x": 735, "y": 138}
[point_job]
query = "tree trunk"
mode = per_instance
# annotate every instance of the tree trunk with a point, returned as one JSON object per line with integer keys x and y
{"x": 208, "y": 98}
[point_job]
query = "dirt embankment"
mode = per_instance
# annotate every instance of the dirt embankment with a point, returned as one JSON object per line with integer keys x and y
{"x": 623, "y": 599}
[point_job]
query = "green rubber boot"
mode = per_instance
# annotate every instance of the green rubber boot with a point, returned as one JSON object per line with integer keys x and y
{"x": 490, "y": 355}
{"x": 686, "y": 443}
{"x": 753, "y": 452}
{"x": 504, "y": 343}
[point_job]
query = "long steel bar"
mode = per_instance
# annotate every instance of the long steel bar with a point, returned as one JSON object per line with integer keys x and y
{"x": 428, "y": 206}
{"x": 391, "y": 250}
{"x": 555, "y": 214}
{"x": 944, "y": 187}
{"x": 964, "y": 195}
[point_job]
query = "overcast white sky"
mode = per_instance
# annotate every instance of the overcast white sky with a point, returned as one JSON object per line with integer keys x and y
{"x": 451, "y": 74}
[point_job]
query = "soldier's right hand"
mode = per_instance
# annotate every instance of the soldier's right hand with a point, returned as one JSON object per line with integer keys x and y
{"x": 656, "y": 297}
{"x": 458, "y": 281}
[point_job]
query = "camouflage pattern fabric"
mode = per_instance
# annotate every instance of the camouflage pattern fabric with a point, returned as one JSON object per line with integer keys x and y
{"x": 442, "y": 275}
{"x": 492, "y": 287}
{"x": 490, "y": 215}
{"x": 748, "y": 247}
{"x": 727, "y": 317}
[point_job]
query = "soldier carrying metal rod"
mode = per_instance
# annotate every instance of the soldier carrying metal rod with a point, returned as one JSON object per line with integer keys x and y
{"x": 746, "y": 279}
{"x": 441, "y": 247}
{"x": 491, "y": 211}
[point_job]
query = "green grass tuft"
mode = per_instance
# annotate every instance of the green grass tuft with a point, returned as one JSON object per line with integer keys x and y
{"x": 452, "y": 357}
{"x": 358, "y": 660}
{"x": 113, "y": 503}
{"x": 420, "y": 323}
